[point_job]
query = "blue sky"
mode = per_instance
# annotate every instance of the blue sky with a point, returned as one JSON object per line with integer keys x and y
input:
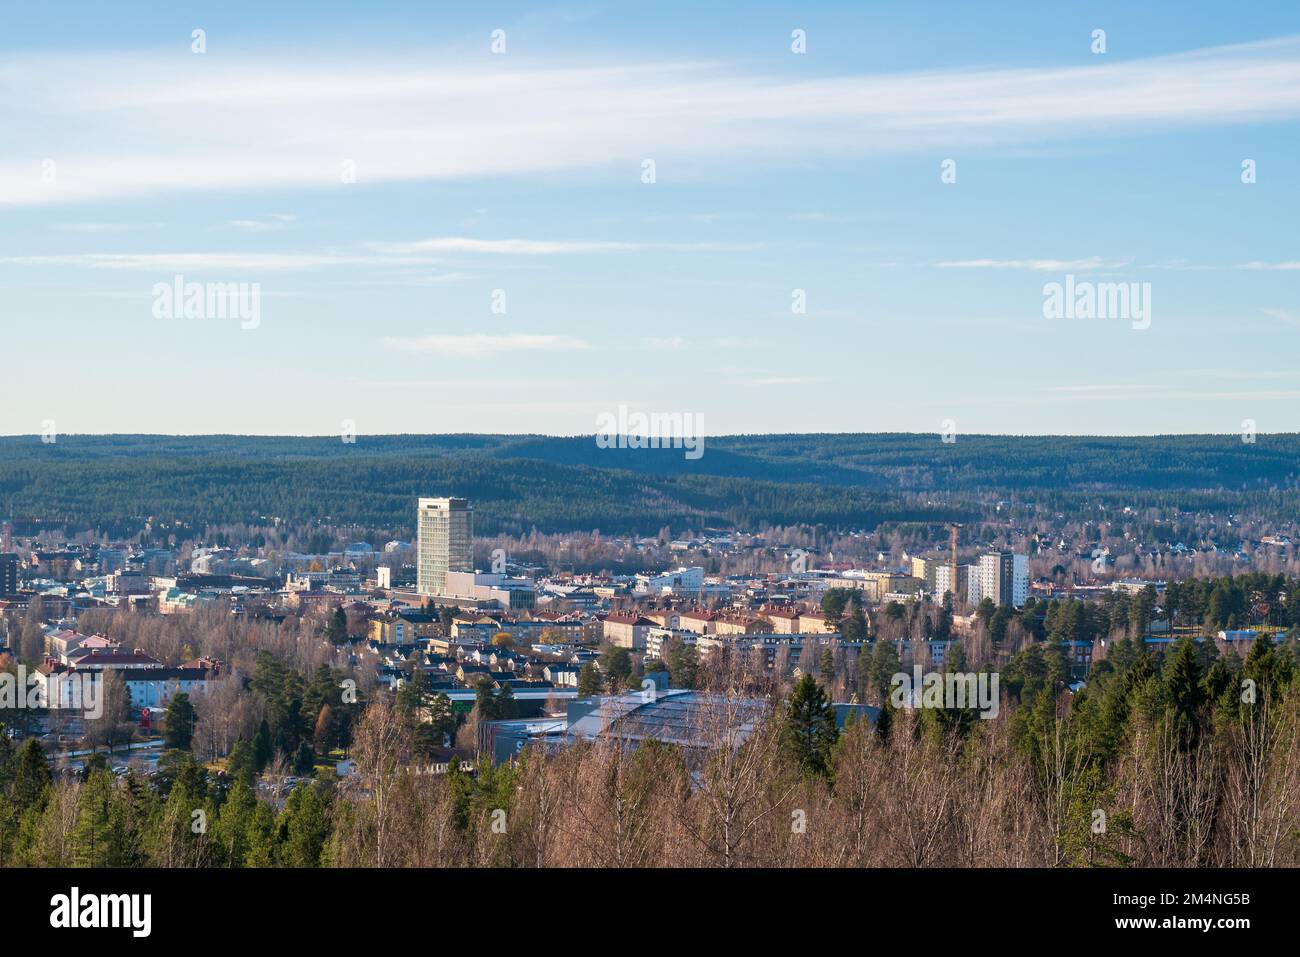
{"x": 522, "y": 172}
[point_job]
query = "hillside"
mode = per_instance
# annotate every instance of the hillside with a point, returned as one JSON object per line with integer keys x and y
{"x": 113, "y": 483}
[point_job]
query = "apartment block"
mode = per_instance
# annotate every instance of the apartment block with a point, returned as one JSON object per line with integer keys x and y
{"x": 445, "y": 542}
{"x": 1002, "y": 577}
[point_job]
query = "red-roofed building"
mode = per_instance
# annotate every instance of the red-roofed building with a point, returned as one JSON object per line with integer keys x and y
{"x": 102, "y": 659}
{"x": 742, "y": 625}
{"x": 785, "y": 621}
{"x": 626, "y": 631}
{"x": 699, "y": 622}
{"x": 814, "y": 623}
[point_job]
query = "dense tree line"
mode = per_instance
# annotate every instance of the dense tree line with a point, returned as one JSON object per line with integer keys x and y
{"x": 1233, "y": 602}
{"x": 116, "y": 493}
{"x": 112, "y": 483}
{"x": 1186, "y": 758}
{"x": 184, "y": 817}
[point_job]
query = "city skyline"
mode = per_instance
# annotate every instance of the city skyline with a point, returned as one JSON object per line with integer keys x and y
{"x": 514, "y": 181}
{"x": 474, "y": 440}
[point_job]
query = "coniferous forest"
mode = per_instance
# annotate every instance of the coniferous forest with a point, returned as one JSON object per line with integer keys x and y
{"x": 1185, "y": 757}
{"x": 113, "y": 484}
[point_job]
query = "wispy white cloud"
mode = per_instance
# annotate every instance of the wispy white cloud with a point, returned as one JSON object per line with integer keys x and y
{"x": 269, "y": 224}
{"x": 1287, "y": 266}
{"x": 1183, "y": 265}
{"x": 1102, "y": 388}
{"x": 786, "y": 380}
{"x": 1038, "y": 265}
{"x": 105, "y": 227}
{"x": 1247, "y": 373}
{"x": 233, "y": 123}
{"x": 492, "y": 386}
{"x": 672, "y": 343}
{"x": 543, "y": 247}
{"x": 1289, "y": 316}
{"x": 477, "y": 345}
{"x": 1161, "y": 393}
{"x": 179, "y": 262}
{"x": 423, "y": 252}
{"x": 417, "y": 279}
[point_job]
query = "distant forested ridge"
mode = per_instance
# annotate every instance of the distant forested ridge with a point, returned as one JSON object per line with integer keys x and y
{"x": 518, "y": 482}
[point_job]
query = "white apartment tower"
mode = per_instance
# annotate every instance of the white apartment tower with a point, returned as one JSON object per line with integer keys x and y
{"x": 943, "y": 580}
{"x": 1002, "y": 577}
{"x": 445, "y": 542}
{"x": 1019, "y": 580}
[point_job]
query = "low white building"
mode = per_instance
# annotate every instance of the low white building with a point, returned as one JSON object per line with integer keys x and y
{"x": 687, "y": 580}
{"x": 64, "y": 687}
{"x": 659, "y": 640}
{"x": 154, "y": 688}
{"x": 508, "y": 591}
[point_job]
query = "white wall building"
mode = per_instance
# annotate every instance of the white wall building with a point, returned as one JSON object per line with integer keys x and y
{"x": 445, "y": 542}
{"x": 509, "y": 592}
{"x": 687, "y": 580}
{"x": 1001, "y": 577}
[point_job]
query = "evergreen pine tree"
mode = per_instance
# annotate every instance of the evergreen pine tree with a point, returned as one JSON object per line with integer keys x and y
{"x": 31, "y": 776}
{"x": 809, "y": 729}
{"x": 179, "y": 721}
